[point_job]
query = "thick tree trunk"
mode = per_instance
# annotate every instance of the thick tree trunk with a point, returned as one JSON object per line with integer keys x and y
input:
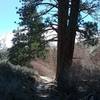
{"x": 66, "y": 39}
{"x": 62, "y": 30}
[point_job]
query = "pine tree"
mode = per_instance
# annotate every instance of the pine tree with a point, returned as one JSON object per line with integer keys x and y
{"x": 65, "y": 14}
{"x": 28, "y": 41}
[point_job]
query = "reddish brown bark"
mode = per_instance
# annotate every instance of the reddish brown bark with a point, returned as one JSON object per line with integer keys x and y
{"x": 66, "y": 39}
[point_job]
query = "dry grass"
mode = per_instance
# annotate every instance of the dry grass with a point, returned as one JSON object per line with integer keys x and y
{"x": 47, "y": 67}
{"x": 83, "y": 70}
{"x": 43, "y": 68}
{"x": 82, "y": 73}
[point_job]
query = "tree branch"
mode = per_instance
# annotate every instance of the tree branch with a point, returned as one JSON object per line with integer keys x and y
{"x": 49, "y": 4}
{"x": 43, "y": 13}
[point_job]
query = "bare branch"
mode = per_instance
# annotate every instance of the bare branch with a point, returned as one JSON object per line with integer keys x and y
{"x": 52, "y": 39}
{"x": 49, "y": 4}
{"x": 53, "y": 28}
{"x": 43, "y": 13}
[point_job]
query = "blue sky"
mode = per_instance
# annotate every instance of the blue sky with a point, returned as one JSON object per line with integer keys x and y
{"x": 8, "y": 15}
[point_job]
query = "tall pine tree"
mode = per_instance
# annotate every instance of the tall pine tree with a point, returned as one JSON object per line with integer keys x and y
{"x": 65, "y": 14}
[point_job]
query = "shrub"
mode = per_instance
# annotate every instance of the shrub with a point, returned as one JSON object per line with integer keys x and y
{"x": 16, "y": 83}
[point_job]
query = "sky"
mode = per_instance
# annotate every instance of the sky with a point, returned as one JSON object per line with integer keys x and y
{"x": 7, "y": 18}
{"x": 8, "y": 15}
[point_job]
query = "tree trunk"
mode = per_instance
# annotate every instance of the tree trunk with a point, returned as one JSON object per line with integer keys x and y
{"x": 66, "y": 39}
